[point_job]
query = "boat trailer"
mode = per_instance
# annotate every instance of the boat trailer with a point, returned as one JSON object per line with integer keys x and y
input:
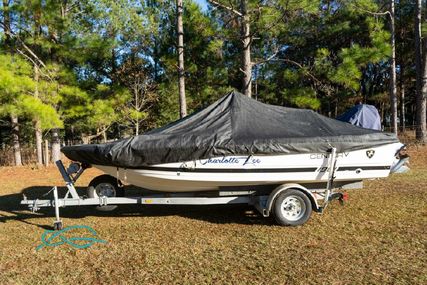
{"x": 291, "y": 203}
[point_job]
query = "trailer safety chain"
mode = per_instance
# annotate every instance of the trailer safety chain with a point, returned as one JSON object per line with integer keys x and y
{"x": 73, "y": 241}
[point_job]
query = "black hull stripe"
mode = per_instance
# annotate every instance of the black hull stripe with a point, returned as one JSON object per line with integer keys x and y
{"x": 352, "y": 168}
{"x": 258, "y": 170}
{"x": 239, "y": 170}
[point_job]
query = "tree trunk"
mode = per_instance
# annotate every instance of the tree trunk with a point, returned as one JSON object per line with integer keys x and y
{"x": 393, "y": 90}
{"x": 6, "y": 23}
{"x": 402, "y": 98}
{"x": 56, "y": 146}
{"x": 113, "y": 62}
{"x": 421, "y": 131}
{"x": 85, "y": 139}
{"x": 37, "y": 122}
{"x": 13, "y": 118}
{"x": 413, "y": 111}
{"x": 181, "y": 71}
{"x": 245, "y": 37}
{"x": 418, "y": 47}
{"x": 421, "y": 85}
{"x": 137, "y": 127}
{"x": 336, "y": 108}
{"x": 39, "y": 141}
{"x": 382, "y": 112}
{"x": 15, "y": 140}
{"x": 246, "y": 64}
{"x": 46, "y": 152}
{"x": 156, "y": 59}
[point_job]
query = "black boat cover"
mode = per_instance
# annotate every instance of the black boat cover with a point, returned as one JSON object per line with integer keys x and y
{"x": 233, "y": 125}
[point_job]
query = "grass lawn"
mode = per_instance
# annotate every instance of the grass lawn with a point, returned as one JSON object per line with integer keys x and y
{"x": 379, "y": 237}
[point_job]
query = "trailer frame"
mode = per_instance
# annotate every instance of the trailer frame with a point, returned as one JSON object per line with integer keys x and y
{"x": 319, "y": 198}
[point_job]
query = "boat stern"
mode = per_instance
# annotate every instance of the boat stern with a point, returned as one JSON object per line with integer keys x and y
{"x": 401, "y": 160}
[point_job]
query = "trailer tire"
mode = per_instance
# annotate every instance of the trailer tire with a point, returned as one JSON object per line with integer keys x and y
{"x": 292, "y": 208}
{"x": 105, "y": 185}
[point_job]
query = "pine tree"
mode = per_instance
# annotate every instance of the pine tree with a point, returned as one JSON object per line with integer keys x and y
{"x": 421, "y": 71}
{"x": 16, "y": 87}
{"x": 180, "y": 49}
{"x": 393, "y": 88}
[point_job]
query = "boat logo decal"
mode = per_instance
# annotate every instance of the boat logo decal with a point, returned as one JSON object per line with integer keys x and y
{"x": 370, "y": 153}
{"x": 325, "y": 155}
{"x": 250, "y": 160}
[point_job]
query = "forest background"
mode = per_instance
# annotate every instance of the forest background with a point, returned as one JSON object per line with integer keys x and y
{"x": 92, "y": 71}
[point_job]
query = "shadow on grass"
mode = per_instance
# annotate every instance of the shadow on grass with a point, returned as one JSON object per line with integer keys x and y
{"x": 220, "y": 214}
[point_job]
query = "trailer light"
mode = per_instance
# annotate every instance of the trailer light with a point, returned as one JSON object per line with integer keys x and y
{"x": 345, "y": 196}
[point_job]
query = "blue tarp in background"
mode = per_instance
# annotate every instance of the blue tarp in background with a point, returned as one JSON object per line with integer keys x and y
{"x": 362, "y": 115}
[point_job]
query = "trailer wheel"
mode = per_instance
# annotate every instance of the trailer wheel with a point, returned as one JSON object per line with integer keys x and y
{"x": 292, "y": 208}
{"x": 105, "y": 185}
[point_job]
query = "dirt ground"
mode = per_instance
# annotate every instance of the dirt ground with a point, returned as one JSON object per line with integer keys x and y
{"x": 378, "y": 237}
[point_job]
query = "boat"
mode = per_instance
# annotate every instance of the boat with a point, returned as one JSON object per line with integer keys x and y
{"x": 240, "y": 142}
{"x": 285, "y": 162}
{"x": 230, "y": 171}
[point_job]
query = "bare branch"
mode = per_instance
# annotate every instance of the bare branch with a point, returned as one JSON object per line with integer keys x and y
{"x": 71, "y": 7}
{"x": 226, "y": 23}
{"x": 34, "y": 63}
{"x": 98, "y": 133}
{"x": 244, "y": 72}
{"x": 217, "y": 4}
{"x": 34, "y": 58}
{"x": 370, "y": 12}
{"x": 267, "y": 59}
{"x": 300, "y": 66}
{"x": 4, "y": 123}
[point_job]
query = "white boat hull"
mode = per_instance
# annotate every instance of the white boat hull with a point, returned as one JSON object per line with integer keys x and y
{"x": 211, "y": 174}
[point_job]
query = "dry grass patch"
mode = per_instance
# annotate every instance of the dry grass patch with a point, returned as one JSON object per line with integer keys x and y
{"x": 379, "y": 237}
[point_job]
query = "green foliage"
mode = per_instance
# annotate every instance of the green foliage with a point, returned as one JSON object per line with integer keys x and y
{"x": 102, "y": 113}
{"x": 167, "y": 107}
{"x": 328, "y": 55}
{"x": 16, "y": 93}
{"x": 35, "y": 108}
{"x": 349, "y": 72}
{"x": 102, "y": 57}
{"x": 15, "y": 81}
{"x": 206, "y": 73}
{"x": 302, "y": 98}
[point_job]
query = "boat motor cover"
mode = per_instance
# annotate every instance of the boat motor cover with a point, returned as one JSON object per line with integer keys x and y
{"x": 233, "y": 125}
{"x": 362, "y": 115}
